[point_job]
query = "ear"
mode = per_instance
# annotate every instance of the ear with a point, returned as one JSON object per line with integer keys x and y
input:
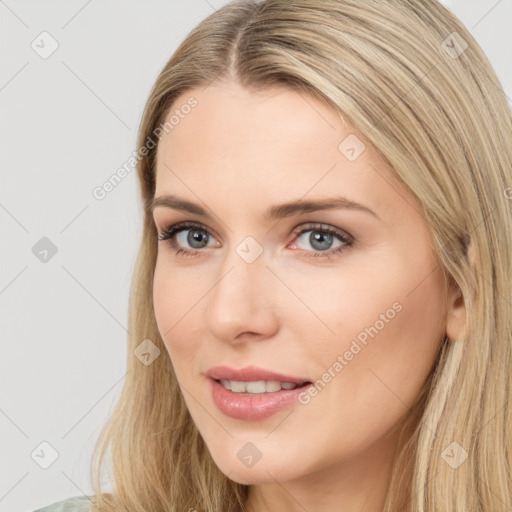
{"x": 456, "y": 314}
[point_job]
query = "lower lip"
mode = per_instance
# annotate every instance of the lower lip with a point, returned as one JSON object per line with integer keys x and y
{"x": 255, "y": 406}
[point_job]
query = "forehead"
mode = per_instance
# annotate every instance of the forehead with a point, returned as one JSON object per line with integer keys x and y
{"x": 229, "y": 119}
{"x": 274, "y": 144}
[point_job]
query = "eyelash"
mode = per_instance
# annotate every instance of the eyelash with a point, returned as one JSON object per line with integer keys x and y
{"x": 170, "y": 232}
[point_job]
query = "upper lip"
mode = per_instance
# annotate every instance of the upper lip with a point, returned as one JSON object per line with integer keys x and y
{"x": 251, "y": 373}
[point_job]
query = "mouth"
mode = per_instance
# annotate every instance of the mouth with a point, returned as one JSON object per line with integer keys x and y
{"x": 252, "y": 379}
{"x": 259, "y": 387}
{"x": 256, "y": 399}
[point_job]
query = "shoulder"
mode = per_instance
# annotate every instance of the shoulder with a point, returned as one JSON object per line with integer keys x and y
{"x": 74, "y": 504}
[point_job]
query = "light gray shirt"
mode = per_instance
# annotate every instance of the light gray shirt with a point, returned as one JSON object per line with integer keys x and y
{"x": 74, "y": 504}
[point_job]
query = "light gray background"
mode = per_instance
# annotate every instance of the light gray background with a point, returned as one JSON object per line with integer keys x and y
{"x": 69, "y": 121}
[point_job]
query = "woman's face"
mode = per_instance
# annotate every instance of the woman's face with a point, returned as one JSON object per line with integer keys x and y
{"x": 348, "y": 297}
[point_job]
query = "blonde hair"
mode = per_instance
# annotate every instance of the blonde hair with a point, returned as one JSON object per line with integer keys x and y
{"x": 435, "y": 110}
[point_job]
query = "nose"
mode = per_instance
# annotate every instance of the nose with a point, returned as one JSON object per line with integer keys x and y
{"x": 240, "y": 306}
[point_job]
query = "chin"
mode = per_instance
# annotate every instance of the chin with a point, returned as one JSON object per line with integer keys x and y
{"x": 262, "y": 472}
{"x": 252, "y": 476}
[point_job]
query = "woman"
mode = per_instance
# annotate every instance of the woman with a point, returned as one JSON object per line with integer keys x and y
{"x": 321, "y": 310}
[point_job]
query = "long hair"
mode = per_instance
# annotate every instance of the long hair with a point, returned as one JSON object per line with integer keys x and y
{"x": 419, "y": 88}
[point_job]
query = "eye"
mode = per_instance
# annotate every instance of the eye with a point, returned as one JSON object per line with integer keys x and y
{"x": 321, "y": 239}
{"x": 197, "y": 237}
{"x": 186, "y": 233}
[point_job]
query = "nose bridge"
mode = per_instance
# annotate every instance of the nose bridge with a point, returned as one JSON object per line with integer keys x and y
{"x": 239, "y": 301}
{"x": 243, "y": 268}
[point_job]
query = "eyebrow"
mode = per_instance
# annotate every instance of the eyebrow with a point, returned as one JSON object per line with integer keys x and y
{"x": 279, "y": 211}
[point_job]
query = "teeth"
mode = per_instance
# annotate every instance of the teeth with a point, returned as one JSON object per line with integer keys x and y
{"x": 259, "y": 386}
{"x": 237, "y": 387}
{"x": 272, "y": 385}
{"x": 226, "y": 383}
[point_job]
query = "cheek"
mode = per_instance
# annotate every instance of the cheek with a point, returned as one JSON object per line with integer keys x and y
{"x": 387, "y": 333}
{"x": 386, "y": 324}
{"x": 175, "y": 298}
{"x": 404, "y": 354}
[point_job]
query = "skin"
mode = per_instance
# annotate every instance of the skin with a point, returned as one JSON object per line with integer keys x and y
{"x": 237, "y": 153}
